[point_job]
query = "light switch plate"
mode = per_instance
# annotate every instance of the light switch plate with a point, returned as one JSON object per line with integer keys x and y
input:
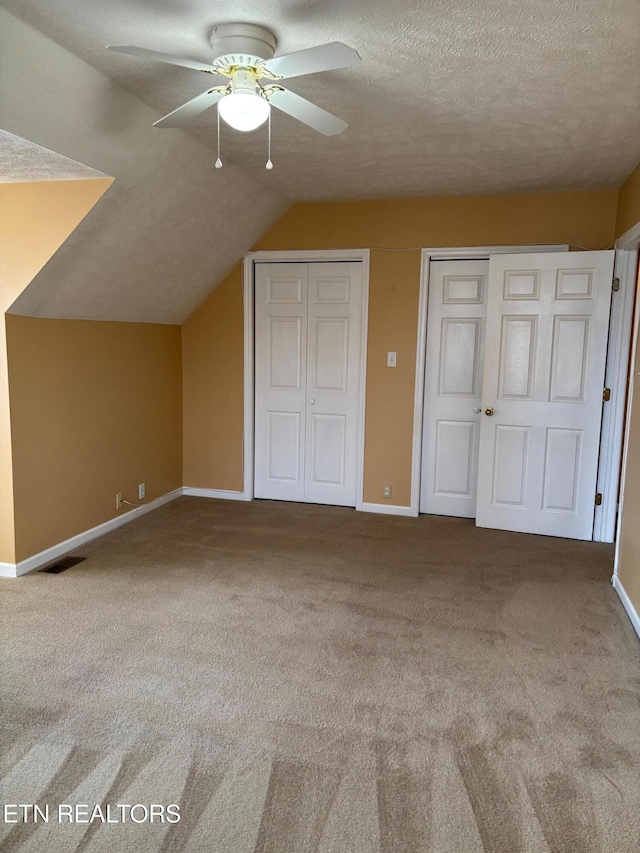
{"x": 391, "y": 359}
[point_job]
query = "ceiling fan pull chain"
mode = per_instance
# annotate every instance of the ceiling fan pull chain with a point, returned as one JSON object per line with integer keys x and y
{"x": 218, "y": 161}
{"x": 269, "y": 164}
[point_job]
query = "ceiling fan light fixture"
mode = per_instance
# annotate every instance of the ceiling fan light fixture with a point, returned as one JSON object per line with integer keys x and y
{"x": 244, "y": 110}
{"x": 243, "y": 56}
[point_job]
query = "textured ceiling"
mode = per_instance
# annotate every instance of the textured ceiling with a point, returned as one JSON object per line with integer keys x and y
{"x": 453, "y": 97}
{"x": 21, "y": 160}
{"x": 169, "y": 228}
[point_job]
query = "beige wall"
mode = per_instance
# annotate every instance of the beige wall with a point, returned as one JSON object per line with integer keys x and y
{"x": 7, "y": 535}
{"x": 95, "y": 410}
{"x": 213, "y": 373}
{"x": 628, "y": 203}
{"x": 96, "y": 406}
{"x": 629, "y": 555}
{"x": 35, "y": 219}
{"x": 213, "y": 390}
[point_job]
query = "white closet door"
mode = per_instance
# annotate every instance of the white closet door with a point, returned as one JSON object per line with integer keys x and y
{"x": 453, "y": 386}
{"x": 334, "y": 306}
{"x": 545, "y": 352}
{"x": 307, "y": 381}
{"x": 280, "y": 379}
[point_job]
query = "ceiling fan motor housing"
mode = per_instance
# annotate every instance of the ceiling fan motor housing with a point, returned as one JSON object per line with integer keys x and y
{"x": 244, "y": 45}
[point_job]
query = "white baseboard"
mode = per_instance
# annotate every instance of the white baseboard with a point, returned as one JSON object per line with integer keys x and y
{"x": 626, "y": 603}
{"x": 220, "y": 494}
{"x": 389, "y": 509}
{"x": 14, "y": 570}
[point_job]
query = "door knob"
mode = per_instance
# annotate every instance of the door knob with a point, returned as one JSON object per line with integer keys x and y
{"x": 488, "y": 411}
{"x": 477, "y": 410}
{"x": 312, "y": 402}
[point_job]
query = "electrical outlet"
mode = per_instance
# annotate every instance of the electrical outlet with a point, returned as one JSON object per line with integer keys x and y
{"x": 119, "y": 500}
{"x": 141, "y": 491}
{"x": 386, "y": 491}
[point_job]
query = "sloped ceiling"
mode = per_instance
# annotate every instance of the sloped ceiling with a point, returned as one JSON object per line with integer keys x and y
{"x": 169, "y": 228}
{"x": 459, "y": 97}
{"x": 453, "y": 96}
{"x": 22, "y": 161}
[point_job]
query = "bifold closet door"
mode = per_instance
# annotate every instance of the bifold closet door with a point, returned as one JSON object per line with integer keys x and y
{"x": 307, "y": 381}
{"x": 280, "y": 380}
{"x": 453, "y": 386}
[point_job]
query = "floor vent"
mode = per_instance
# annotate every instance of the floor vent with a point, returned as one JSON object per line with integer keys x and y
{"x": 63, "y": 565}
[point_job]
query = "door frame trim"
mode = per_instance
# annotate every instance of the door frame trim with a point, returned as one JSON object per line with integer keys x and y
{"x": 612, "y": 458}
{"x": 445, "y": 254}
{"x": 248, "y": 289}
{"x": 629, "y": 243}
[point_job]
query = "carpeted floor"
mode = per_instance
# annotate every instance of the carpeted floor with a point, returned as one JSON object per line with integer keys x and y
{"x": 305, "y": 679}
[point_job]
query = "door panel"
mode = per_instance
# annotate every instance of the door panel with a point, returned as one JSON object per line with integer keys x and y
{"x": 285, "y": 288}
{"x": 328, "y": 449}
{"x": 280, "y": 376}
{"x": 569, "y": 359}
{"x": 545, "y": 351}
{"x": 331, "y": 355}
{"x": 333, "y": 382}
{"x": 453, "y": 376}
{"x": 561, "y": 468}
{"x": 285, "y": 353}
{"x": 307, "y": 381}
{"x": 511, "y": 444}
{"x": 284, "y": 446}
{"x": 459, "y": 357}
{"x": 330, "y": 289}
{"x": 455, "y": 443}
{"x": 517, "y": 354}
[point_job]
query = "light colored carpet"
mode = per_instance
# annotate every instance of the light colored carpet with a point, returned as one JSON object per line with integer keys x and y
{"x": 306, "y": 679}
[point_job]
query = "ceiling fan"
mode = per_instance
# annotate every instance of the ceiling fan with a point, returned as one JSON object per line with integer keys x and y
{"x": 247, "y": 74}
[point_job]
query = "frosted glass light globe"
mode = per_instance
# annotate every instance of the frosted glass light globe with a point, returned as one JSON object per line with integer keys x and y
{"x": 243, "y": 110}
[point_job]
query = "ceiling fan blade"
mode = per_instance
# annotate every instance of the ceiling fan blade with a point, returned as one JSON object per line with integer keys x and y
{"x": 306, "y": 112}
{"x": 143, "y": 53}
{"x": 190, "y": 110}
{"x": 324, "y": 57}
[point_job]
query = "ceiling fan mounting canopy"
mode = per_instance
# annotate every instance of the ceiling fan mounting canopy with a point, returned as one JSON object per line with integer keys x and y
{"x": 243, "y": 45}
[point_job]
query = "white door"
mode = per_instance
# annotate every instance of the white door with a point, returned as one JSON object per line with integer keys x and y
{"x": 307, "y": 381}
{"x": 334, "y": 334}
{"x": 545, "y": 351}
{"x": 453, "y": 386}
{"x": 280, "y": 380}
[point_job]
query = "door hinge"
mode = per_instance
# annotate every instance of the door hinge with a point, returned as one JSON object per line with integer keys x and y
{"x": 616, "y": 285}
{"x": 606, "y": 395}
{"x": 598, "y": 498}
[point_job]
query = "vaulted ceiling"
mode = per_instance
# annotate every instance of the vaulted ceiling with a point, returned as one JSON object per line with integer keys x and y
{"x": 460, "y": 97}
{"x": 24, "y": 161}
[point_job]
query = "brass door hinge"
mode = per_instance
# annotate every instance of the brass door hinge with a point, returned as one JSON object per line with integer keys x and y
{"x": 606, "y": 395}
{"x": 598, "y": 498}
